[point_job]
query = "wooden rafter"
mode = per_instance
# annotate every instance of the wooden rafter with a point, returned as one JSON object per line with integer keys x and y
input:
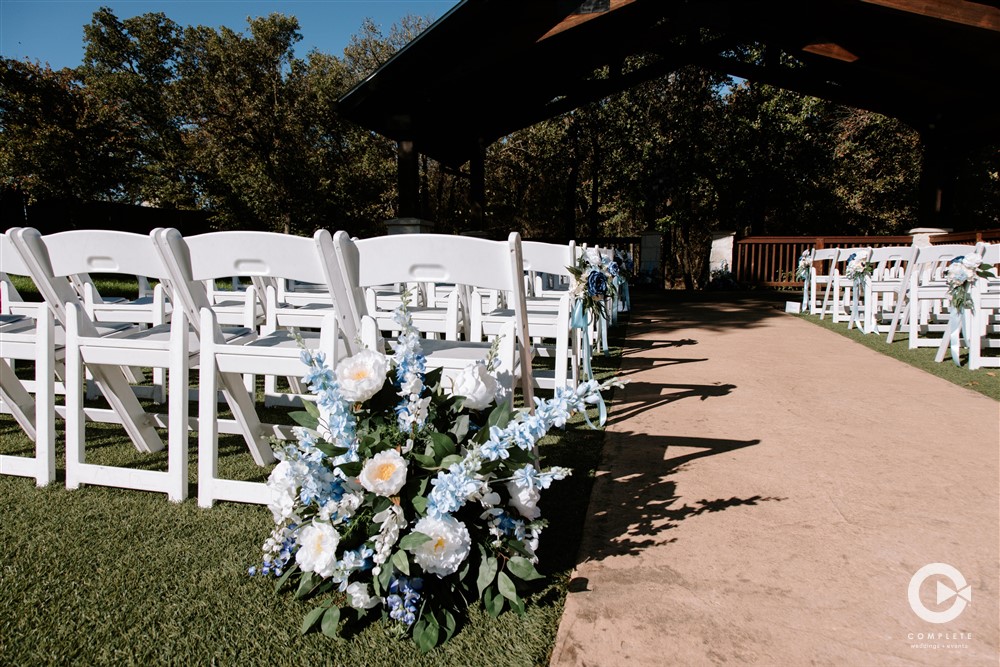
{"x": 976, "y": 14}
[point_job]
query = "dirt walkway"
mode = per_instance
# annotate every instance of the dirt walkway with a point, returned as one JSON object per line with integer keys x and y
{"x": 769, "y": 489}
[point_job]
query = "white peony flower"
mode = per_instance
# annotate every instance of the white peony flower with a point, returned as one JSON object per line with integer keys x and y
{"x": 525, "y": 500}
{"x": 384, "y": 474}
{"x": 448, "y": 547}
{"x": 972, "y": 262}
{"x": 283, "y": 489}
{"x": 361, "y": 376}
{"x": 477, "y": 386}
{"x": 318, "y": 549}
{"x": 359, "y": 598}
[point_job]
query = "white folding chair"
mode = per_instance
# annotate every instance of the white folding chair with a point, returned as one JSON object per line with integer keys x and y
{"x": 985, "y": 330}
{"x": 840, "y": 289}
{"x": 820, "y": 273}
{"x": 458, "y": 260}
{"x": 926, "y": 295}
{"x": 548, "y": 316}
{"x": 275, "y": 257}
{"x": 51, "y": 260}
{"x": 30, "y": 338}
{"x": 884, "y": 289}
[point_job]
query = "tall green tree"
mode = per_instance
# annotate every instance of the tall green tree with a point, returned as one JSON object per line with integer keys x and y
{"x": 58, "y": 140}
{"x": 131, "y": 65}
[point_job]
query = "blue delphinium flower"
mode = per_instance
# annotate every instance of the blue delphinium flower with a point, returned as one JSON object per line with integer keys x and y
{"x": 403, "y": 598}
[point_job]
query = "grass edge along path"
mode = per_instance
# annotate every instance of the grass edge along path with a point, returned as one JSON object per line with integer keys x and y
{"x": 985, "y": 381}
{"x": 112, "y": 576}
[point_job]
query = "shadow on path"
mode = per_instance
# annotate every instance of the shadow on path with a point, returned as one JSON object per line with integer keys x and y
{"x": 636, "y": 507}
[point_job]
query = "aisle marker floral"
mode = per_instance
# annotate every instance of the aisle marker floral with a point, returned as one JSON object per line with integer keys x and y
{"x": 961, "y": 275}
{"x": 403, "y": 500}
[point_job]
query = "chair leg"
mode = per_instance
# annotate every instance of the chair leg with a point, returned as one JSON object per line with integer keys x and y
{"x": 177, "y": 425}
{"x": 208, "y": 431}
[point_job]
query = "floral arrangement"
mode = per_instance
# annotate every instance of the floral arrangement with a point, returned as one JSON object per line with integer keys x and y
{"x": 961, "y": 274}
{"x": 404, "y": 501}
{"x": 595, "y": 283}
{"x": 858, "y": 268}
{"x": 805, "y": 263}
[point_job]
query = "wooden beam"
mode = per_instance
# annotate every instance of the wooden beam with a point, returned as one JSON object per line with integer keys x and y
{"x": 830, "y": 50}
{"x": 574, "y": 20}
{"x": 975, "y": 14}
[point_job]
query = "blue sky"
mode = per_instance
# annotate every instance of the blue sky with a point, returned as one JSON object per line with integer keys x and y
{"x": 52, "y": 30}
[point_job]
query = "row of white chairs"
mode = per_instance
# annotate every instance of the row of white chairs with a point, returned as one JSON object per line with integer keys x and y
{"x": 907, "y": 292}
{"x": 226, "y": 337}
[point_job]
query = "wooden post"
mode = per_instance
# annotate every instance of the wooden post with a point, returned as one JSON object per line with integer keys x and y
{"x": 408, "y": 180}
{"x": 936, "y": 180}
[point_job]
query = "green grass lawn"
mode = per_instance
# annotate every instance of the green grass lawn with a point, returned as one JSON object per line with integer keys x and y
{"x": 111, "y": 576}
{"x": 984, "y": 380}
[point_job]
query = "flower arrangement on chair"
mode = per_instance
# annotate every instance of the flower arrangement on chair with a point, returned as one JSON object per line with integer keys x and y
{"x": 858, "y": 268}
{"x": 805, "y": 263}
{"x": 961, "y": 274}
{"x": 406, "y": 501}
{"x": 594, "y": 287}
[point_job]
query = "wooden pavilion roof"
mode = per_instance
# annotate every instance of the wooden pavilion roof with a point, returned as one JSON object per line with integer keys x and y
{"x": 490, "y": 67}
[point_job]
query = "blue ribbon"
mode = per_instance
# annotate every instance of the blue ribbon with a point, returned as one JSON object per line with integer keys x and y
{"x": 578, "y": 320}
{"x": 859, "y": 284}
{"x": 623, "y": 286}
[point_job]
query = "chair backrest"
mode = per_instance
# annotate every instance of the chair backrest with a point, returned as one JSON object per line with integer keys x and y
{"x": 932, "y": 261}
{"x": 249, "y": 254}
{"x": 440, "y": 258}
{"x": 553, "y": 258}
{"x": 821, "y": 255}
{"x": 10, "y": 263}
{"x": 991, "y": 255}
{"x": 461, "y": 260}
{"x": 53, "y": 258}
{"x": 846, "y": 254}
{"x": 891, "y": 262}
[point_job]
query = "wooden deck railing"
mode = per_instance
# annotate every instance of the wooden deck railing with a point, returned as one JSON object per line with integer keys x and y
{"x": 770, "y": 261}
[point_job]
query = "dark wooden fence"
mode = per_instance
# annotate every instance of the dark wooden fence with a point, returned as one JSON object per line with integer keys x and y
{"x": 770, "y": 261}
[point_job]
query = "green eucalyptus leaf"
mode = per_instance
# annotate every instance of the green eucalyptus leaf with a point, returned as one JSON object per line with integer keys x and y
{"x": 413, "y": 540}
{"x": 306, "y": 585}
{"x": 331, "y": 622}
{"x": 352, "y": 469}
{"x": 487, "y": 573}
{"x": 460, "y": 428}
{"x": 311, "y": 618}
{"x": 420, "y": 504}
{"x": 506, "y": 586}
{"x": 401, "y": 562}
{"x": 311, "y": 408}
{"x": 523, "y": 569}
{"x": 304, "y": 419}
{"x": 443, "y": 444}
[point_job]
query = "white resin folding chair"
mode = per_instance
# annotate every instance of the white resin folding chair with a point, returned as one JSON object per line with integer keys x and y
{"x": 275, "y": 257}
{"x": 548, "y": 316}
{"x": 51, "y": 260}
{"x": 458, "y": 260}
{"x": 924, "y": 310}
{"x": 820, "y": 274}
{"x": 985, "y": 329}
{"x": 840, "y": 289}
{"x": 31, "y": 339}
{"x": 884, "y": 289}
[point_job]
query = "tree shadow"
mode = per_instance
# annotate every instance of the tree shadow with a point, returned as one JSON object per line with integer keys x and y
{"x": 636, "y": 503}
{"x": 663, "y": 312}
{"x": 639, "y": 397}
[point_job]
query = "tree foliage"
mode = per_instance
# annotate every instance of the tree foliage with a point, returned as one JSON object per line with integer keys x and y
{"x": 237, "y": 124}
